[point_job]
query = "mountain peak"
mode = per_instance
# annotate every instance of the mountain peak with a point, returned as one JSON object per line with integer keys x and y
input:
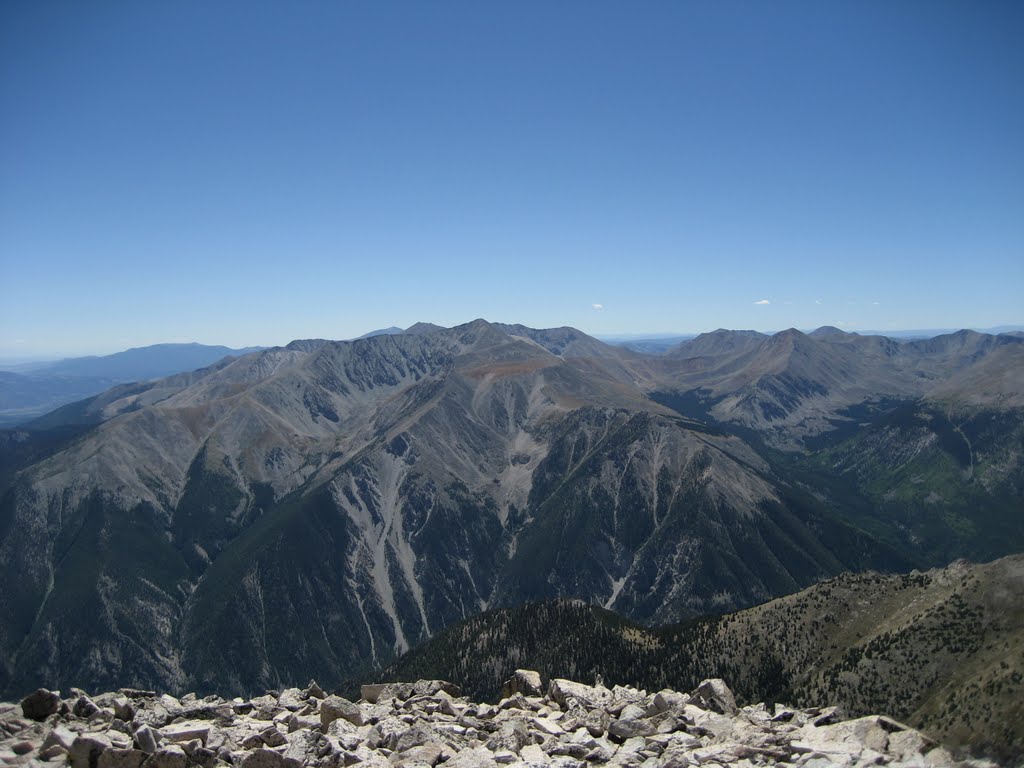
{"x": 422, "y": 328}
{"x": 390, "y": 331}
{"x": 789, "y": 333}
{"x": 828, "y": 330}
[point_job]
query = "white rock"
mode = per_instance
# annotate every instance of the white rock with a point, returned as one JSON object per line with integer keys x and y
{"x": 186, "y": 731}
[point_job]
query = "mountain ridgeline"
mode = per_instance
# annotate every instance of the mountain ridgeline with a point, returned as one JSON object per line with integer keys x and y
{"x": 308, "y": 510}
{"x": 31, "y": 390}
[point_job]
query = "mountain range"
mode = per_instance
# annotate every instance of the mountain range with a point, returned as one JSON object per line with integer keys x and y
{"x": 33, "y": 389}
{"x": 187, "y": 532}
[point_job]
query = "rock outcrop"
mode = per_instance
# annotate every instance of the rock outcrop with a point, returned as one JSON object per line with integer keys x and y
{"x": 425, "y": 724}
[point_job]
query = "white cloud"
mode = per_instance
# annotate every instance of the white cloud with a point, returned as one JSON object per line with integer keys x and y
{"x": 817, "y": 301}
{"x": 763, "y": 301}
{"x": 598, "y": 307}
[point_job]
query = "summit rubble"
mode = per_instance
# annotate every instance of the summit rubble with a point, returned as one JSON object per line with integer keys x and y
{"x": 429, "y": 723}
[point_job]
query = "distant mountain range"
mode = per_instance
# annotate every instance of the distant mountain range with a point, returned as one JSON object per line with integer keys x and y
{"x": 656, "y": 344}
{"x": 30, "y": 390}
{"x": 384, "y": 488}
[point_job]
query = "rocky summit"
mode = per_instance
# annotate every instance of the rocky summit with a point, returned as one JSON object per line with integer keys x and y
{"x": 428, "y": 723}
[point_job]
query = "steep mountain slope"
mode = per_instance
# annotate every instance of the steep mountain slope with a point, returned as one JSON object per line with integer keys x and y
{"x": 947, "y": 481}
{"x": 792, "y": 385}
{"x": 383, "y": 488}
{"x": 942, "y": 650}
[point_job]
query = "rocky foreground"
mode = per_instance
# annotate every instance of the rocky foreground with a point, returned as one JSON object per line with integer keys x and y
{"x": 424, "y": 724}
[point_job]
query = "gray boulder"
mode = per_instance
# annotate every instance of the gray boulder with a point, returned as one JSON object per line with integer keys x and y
{"x": 620, "y": 730}
{"x": 86, "y": 749}
{"x": 715, "y": 695}
{"x": 147, "y": 739}
{"x": 335, "y": 707}
{"x": 121, "y": 758}
{"x": 263, "y": 758}
{"x": 167, "y": 757}
{"x": 567, "y": 693}
{"x": 512, "y": 735}
{"x": 524, "y": 681}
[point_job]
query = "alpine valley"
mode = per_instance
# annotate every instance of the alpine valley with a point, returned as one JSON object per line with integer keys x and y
{"x": 317, "y": 509}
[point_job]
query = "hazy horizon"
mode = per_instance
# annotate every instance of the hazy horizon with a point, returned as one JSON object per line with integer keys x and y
{"x": 9, "y": 360}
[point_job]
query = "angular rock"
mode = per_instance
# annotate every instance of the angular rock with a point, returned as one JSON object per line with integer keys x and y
{"x": 334, "y": 707}
{"x": 172, "y": 756}
{"x": 715, "y": 695}
{"x": 473, "y": 757}
{"x": 423, "y": 754}
{"x": 414, "y": 737}
{"x": 305, "y": 747}
{"x": 53, "y": 752}
{"x": 513, "y": 735}
{"x": 153, "y": 714}
{"x": 186, "y": 731}
{"x": 119, "y": 703}
{"x": 782, "y": 714}
{"x": 828, "y": 716}
{"x": 252, "y": 741}
{"x": 147, "y": 739}
{"x": 432, "y": 687}
{"x": 532, "y": 754}
{"x": 379, "y": 692}
{"x": 596, "y": 722}
{"x": 263, "y": 758}
{"x": 292, "y": 699}
{"x": 296, "y": 722}
{"x": 427, "y": 728}
{"x": 62, "y": 736}
{"x": 906, "y": 743}
{"x": 371, "y": 691}
{"x": 118, "y": 739}
{"x": 547, "y": 726}
{"x": 22, "y": 747}
{"x": 272, "y": 737}
{"x": 621, "y": 730}
{"x": 314, "y": 691}
{"x": 524, "y": 681}
{"x": 632, "y": 712}
{"x": 86, "y": 749}
{"x": 121, "y": 758}
{"x": 135, "y": 693}
{"x": 566, "y": 692}
{"x": 515, "y": 701}
{"x": 84, "y": 708}
{"x": 40, "y": 704}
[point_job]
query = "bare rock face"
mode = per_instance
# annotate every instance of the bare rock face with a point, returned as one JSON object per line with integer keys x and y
{"x": 426, "y": 725}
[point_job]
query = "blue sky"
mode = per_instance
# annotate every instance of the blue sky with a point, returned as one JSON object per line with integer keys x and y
{"x": 251, "y": 172}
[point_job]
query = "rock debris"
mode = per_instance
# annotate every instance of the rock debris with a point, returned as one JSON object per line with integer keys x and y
{"x": 429, "y": 723}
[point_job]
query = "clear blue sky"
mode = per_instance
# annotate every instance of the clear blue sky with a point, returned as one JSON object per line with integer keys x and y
{"x": 251, "y": 172}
